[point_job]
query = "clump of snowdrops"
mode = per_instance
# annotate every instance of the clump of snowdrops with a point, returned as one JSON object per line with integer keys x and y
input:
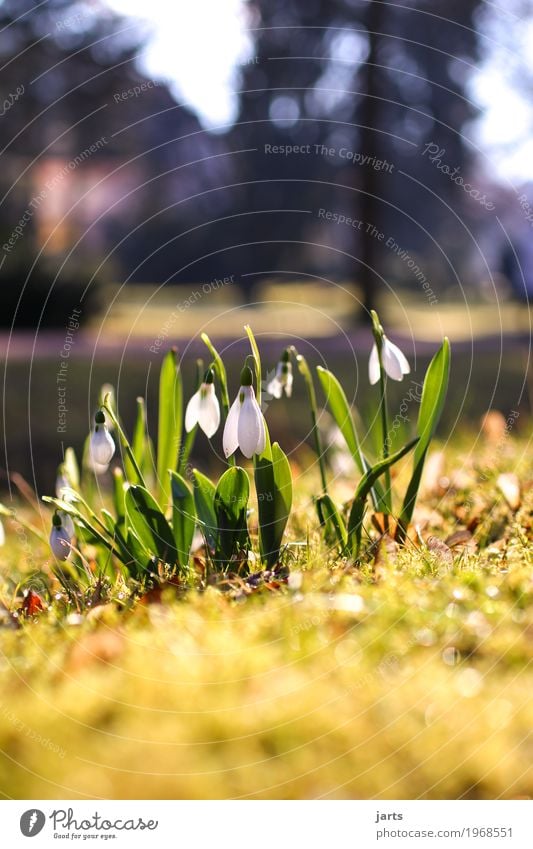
{"x": 161, "y": 509}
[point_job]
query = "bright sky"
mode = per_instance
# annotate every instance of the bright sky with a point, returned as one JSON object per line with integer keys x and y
{"x": 197, "y": 47}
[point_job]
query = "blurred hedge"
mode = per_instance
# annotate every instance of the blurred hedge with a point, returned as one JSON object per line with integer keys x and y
{"x": 42, "y": 296}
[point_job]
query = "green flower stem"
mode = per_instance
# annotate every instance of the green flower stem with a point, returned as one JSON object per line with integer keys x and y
{"x": 220, "y": 371}
{"x": 191, "y": 436}
{"x": 124, "y": 440}
{"x": 304, "y": 370}
{"x": 377, "y": 330}
{"x": 257, "y": 361}
{"x": 385, "y": 433}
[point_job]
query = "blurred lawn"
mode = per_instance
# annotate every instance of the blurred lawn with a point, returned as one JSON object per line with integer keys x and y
{"x": 293, "y": 307}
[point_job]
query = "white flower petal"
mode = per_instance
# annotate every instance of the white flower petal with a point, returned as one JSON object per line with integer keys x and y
{"x": 261, "y": 443}
{"x": 288, "y": 385}
{"x": 230, "y": 438}
{"x": 101, "y": 446}
{"x": 275, "y": 387}
{"x": 67, "y": 523}
{"x": 373, "y": 365}
{"x": 192, "y": 412}
{"x": 2, "y": 534}
{"x": 404, "y": 365}
{"x": 209, "y": 413}
{"x": 251, "y": 429}
{"x": 97, "y": 468}
{"x": 60, "y": 543}
{"x": 391, "y": 361}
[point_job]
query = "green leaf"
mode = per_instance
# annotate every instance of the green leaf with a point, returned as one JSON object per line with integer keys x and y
{"x": 231, "y": 504}
{"x": 204, "y": 502}
{"x": 139, "y": 561}
{"x": 169, "y": 422}
{"x": 144, "y": 516}
{"x": 118, "y": 493}
{"x": 431, "y": 406}
{"x": 357, "y": 513}
{"x": 273, "y": 483}
{"x": 183, "y": 517}
{"x": 72, "y": 470}
{"x": 332, "y": 520}
{"x": 139, "y": 443}
{"x": 341, "y": 412}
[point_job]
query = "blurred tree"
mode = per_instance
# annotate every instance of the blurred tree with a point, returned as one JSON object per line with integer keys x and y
{"x": 362, "y": 82}
{"x": 89, "y": 163}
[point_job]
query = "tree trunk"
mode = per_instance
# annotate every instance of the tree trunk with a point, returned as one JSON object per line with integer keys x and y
{"x": 369, "y": 181}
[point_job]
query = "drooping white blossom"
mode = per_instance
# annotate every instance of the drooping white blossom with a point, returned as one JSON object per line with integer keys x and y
{"x": 203, "y": 408}
{"x": 245, "y": 426}
{"x": 101, "y": 445}
{"x": 395, "y": 363}
{"x": 283, "y": 378}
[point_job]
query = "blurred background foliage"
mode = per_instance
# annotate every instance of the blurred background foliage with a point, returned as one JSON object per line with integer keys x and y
{"x": 164, "y": 200}
{"x": 114, "y": 173}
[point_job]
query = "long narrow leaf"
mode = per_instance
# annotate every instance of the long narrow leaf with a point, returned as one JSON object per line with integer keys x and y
{"x": 183, "y": 517}
{"x": 144, "y": 516}
{"x": 273, "y": 483}
{"x": 341, "y": 412}
{"x": 204, "y": 503}
{"x": 431, "y": 406}
{"x": 357, "y": 513}
{"x": 169, "y": 422}
{"x": 332, "y": 520}
{"x": 231, "y": 504}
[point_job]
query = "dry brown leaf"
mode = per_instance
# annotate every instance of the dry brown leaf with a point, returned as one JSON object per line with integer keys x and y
{"x": 385, "y": 524}
{"x": 440, "y": 550}
{"x": 32, "y": 604}
{"x": 509, "y": 486}
{"x": 461, "y": 541}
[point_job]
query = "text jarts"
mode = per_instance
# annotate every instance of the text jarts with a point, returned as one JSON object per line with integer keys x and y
{"x": 381, "y": 817}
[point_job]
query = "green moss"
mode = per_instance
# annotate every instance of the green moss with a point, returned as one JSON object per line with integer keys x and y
{"x": 403, "y": 680}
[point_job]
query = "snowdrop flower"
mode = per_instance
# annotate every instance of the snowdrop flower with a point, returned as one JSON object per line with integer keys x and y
{"x": 203, "y": 409}
{"x": 67, "y": 523}
{"x": 283, "y": 378}
{"x": 101, "y": 445}
{"x": 59, "y": 539}
{"x": 64, "y": 489}
{"x": 245, "y": 427}
{"x": 394, "y": 362}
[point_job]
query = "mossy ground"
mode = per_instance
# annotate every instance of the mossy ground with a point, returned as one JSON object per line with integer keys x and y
{"x": 408, "y": 678}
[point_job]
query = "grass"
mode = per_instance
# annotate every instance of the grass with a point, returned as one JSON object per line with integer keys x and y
{"x": 407, "y": 678}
